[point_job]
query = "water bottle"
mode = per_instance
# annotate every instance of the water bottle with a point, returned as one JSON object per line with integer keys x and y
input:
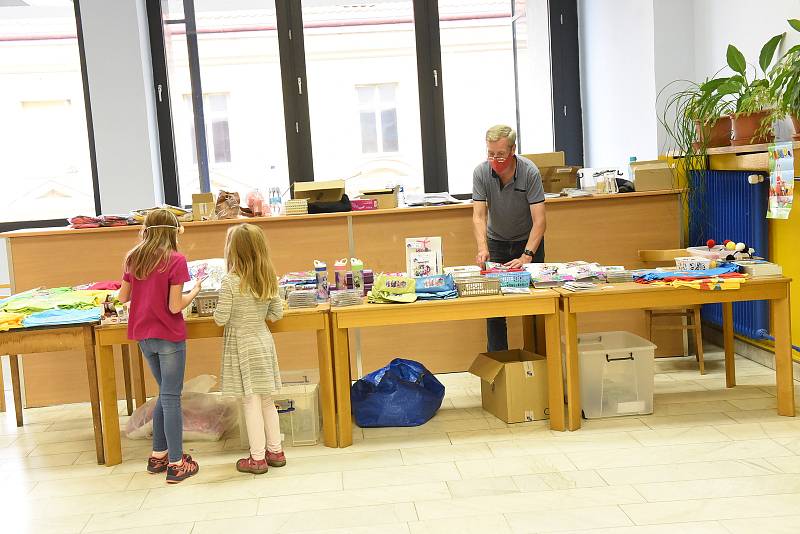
{"x": 321, "y": 272}
{"x": 631, "y": 161}
{"x": 358, "y": 275}
{"x": 340, "y": 274}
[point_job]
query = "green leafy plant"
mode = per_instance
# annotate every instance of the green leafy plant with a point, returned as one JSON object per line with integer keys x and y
{"x": 751, "y": 95}
{"x": 785, "y": 81}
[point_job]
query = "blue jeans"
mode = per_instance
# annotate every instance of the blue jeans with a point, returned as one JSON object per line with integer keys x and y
{"x": 167, "y": 361}
{"x": 501, "y": 252}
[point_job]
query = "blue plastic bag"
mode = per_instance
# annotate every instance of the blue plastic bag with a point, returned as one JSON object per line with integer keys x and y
{"x": 404, "y": 393}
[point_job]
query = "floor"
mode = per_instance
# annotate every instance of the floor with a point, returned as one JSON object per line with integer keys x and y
{"x": 709, "y": 460}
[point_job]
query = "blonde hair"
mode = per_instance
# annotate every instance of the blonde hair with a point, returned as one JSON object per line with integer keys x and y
{"x": 159, "y": 241}
{"x": 501, "y": 131}
{"x": 247, "y": 255}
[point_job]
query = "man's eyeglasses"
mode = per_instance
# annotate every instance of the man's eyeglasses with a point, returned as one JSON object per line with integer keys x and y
{"x": 500, "y": 158}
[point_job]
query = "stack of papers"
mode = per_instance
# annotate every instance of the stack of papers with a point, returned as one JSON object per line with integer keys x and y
{"x": 302, "y": 299}
{"x": 345, "y": 297}
{"x": 515, "y": 291}
{"x": 430, "y": 199}
{"x": 579, "y": 286}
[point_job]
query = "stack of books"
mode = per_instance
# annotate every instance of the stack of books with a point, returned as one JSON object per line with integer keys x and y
{"x": 302, "y": 299}
{"x": 619, "y": 277}
{"x": 758, "y": 268}
{"x": 579, "y": 286}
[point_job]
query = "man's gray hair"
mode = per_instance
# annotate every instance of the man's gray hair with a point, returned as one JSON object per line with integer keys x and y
{"x": 501, "y": 131}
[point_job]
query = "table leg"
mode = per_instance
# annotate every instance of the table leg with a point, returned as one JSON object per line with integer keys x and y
{"x": 15, "y": 386}
{"x": 782, "y": 330}
{"x": 573, "y": 372}
{"x": 326, "y": 386}
{"x": 529, "y": 333}
{"x": 728, "y": 342}
{"x": 94, "y": 394}
{"x": 126, "y": 374}
{"x": 555, "y": 377}
{"x": 139, "y": 389}
{"x": 108, "y": 405}
{"x": 341, "y": 369}
{"x": 2, "y": 388}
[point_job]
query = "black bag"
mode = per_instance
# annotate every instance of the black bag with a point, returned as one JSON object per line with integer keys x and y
{"x": 330, "y": 207}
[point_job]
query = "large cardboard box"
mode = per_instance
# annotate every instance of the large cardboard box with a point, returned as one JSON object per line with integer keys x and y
{"x": 547, "y": 159}
{"x": 387, "y": 197}
{"x": 554, "y": 179}
{"x": 513, "y": 385}
{"x": 329, "y": 191}
{"x": 203, "y": 206}
{"x": 653, "y": 175}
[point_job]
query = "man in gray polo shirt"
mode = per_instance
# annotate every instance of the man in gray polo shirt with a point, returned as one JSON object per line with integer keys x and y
{"x": 508, "y": 213}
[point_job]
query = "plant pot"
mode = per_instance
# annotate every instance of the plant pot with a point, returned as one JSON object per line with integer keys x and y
{"x": 746, "y": 129}
{"x": 796, "y": 122}
{"x": 714, "y": 135}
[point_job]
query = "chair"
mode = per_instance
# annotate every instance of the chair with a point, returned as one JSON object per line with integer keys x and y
{"x": 692, "y": 314}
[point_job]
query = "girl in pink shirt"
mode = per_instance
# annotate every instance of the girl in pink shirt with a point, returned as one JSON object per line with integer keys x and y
{"x": 154, "y": 274}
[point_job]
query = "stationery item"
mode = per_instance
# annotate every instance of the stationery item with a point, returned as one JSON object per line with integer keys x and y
{"x": 463, "y": 271}
{"x": 211, "y": 270}
{"x": 759, "y": 268}
{"x": 357, "y": 275}
{"x": 340, "y": 274}
{"x": 438, "y": 283}
{"x": 321, "y": 273}
{"x": 781, "y": 180}
{"x": 579, "y": 286}
{"x": 345, "y": 297}
{"x": 302, "y": 299}
{"x": 423, "y": 256}
{"x": 507, "y": 290}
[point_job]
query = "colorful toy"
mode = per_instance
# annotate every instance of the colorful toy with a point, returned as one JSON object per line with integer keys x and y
{"x": 730, "y": 245}
{"x": 711, "y": 243}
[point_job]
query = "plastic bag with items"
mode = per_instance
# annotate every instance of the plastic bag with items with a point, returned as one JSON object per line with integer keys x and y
{"x": 206, "y": 417}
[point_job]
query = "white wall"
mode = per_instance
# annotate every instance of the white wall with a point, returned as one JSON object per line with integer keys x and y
{"x": 617, "y": 80}
{"x": 121, "y": 92}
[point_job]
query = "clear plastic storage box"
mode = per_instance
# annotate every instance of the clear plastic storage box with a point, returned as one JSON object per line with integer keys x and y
{"x": 616, "y": 370}
{"x": 299, "y": 413}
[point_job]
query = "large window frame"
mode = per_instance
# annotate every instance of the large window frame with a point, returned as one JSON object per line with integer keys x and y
{"x": 567, "y": 131}
{"x": 53, "y": 223}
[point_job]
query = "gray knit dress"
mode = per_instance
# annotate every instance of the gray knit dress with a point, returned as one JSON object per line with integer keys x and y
{"x": 249, "y": 359}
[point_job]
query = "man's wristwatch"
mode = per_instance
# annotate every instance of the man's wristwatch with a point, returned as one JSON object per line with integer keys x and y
{"x": 528, "y": 253}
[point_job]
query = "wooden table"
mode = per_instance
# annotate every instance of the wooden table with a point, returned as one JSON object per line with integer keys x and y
{"x": 310, "y": 319}
{"x": 539, "y": 302}
{"x": 639, "y": 296}
{"x": 55, "y": 339}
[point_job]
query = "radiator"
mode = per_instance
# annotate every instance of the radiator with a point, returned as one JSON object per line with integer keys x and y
{"x": 725, "y": 206}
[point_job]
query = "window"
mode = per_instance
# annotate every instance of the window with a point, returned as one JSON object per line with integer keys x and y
{"x": 378, "y": 114}
{"x": 217, "y": 130}
{"x": 45, "y": 163}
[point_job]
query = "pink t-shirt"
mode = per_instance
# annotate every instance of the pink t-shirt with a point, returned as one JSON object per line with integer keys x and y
{"x": 149, "y": 310}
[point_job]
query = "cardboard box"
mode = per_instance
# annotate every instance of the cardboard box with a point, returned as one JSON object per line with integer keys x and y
{"x": 547, "y": 159}
{"x": 653, "y": 175}
{"x": 203, "y": 207}
{"x": 330, "y": 191}
{"x": 386, "y": 197}
{"x": 554, "y": 179}
{"x": 513, "y": 385}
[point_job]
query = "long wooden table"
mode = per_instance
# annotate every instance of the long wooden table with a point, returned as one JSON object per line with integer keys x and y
{"x": 540, "y": 302}
{"x": 55, "y": 339}
{"x": 640, "y": 296}
{"x": 295, "y": 320}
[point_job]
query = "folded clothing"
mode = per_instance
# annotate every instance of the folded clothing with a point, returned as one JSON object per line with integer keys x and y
{"x": 442, "y": 295}
{"x": 10, "y": 320}
{"x": 706, "y": 284}
{"x": 59, "y": 317}
{"x": 723, "y": 270}
{"x": 65, "y": 298}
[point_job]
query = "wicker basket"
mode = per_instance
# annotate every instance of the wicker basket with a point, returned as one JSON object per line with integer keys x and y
{"x": 298, "y": 206}
{"x": 512, "y": 279}
{"x": 477, "y": 286}
{"x": 206, "y": 303}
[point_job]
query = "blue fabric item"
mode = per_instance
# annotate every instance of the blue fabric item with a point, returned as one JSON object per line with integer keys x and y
{"x": 167, "y": 361}
{"x": 404, "y": 393}
{"x": 724, "y": 268}
{"x": 436, "y": 283}
{"x": 438, "y": 296}
{"x": 59, "y": 317}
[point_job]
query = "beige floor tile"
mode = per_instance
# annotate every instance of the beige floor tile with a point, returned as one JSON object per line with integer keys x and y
{"x": 435, "y": 439}
{"x": 743, "y": 431}
{"x": 16, "y": 450}
{"x": 704, "y": 527}
{"x": 48, "y": 449}
{"x": 183, "y": 528}
{"x": 792, "y": 443}
{"x": 86, "y": 504}
{"x": 391, "y": 528}
{"x": 766, "y": 525}
{"x": 785, "y": 428}
{"x": 8, "y": 427}
{"x": 524, "y": 447}
{"x": 334, "y": 500}
{"x": 786, "y": 464}
{"x": 766, "y": 403}
{"x": 674, "y": 454}
{"x": 480, "y": 436}
{"x": 685, "y": 471}
{"x": 482, "y": 524}
{"x": 28, "y": 523}
{"x": 477, "y": 487}
{"x": 209, "y": 474}
{"x": 613, "y": 424}
{"x": 690, "y": 420}
{"x": 36, "y": 462}
{"x": 81, "y": 486}
{"x": 343, "y": 462}
{"x": 540, "y": 502}
{"x": 691, "y": 408}
{"x": 720, "y": 392}
{"x": 713, "y": 509}
{"x": 175, "y": 515}
{"x": 568, "y": 519}
{"x": 447, "y": 453}
{"x": 661, "y": 436}
{"x": 399, "y": 476}
{"x": 565, "y": 480}
{"x": 518, "y": 465}
{"x": 724, "y": 487}
{"x": 760, "y": 416}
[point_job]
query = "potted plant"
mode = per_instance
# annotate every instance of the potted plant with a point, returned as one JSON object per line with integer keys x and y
{"x": 701, "y": 115}
{"x": 752, "y": 116}
{"x": 785, "y": 85}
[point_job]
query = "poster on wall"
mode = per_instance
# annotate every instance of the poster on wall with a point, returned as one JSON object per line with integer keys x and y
{"x": 781, "y": 180}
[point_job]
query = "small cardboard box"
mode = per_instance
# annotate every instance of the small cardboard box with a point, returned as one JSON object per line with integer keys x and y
{"x": 653, "y": 175}
{"x": 513, "y": 385}
{"x": 554, "y": 179}
{"x": 329, "y": 191}
{"x": 386, "y": 197}
{"x": 547, "y": 159}
{"x": 203, "y": 206}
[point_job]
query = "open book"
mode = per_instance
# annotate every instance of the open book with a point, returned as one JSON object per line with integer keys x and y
{"x": 213, "y": 270}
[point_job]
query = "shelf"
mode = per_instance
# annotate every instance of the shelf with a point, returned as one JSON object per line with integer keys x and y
{"x": 746, "y": 149}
